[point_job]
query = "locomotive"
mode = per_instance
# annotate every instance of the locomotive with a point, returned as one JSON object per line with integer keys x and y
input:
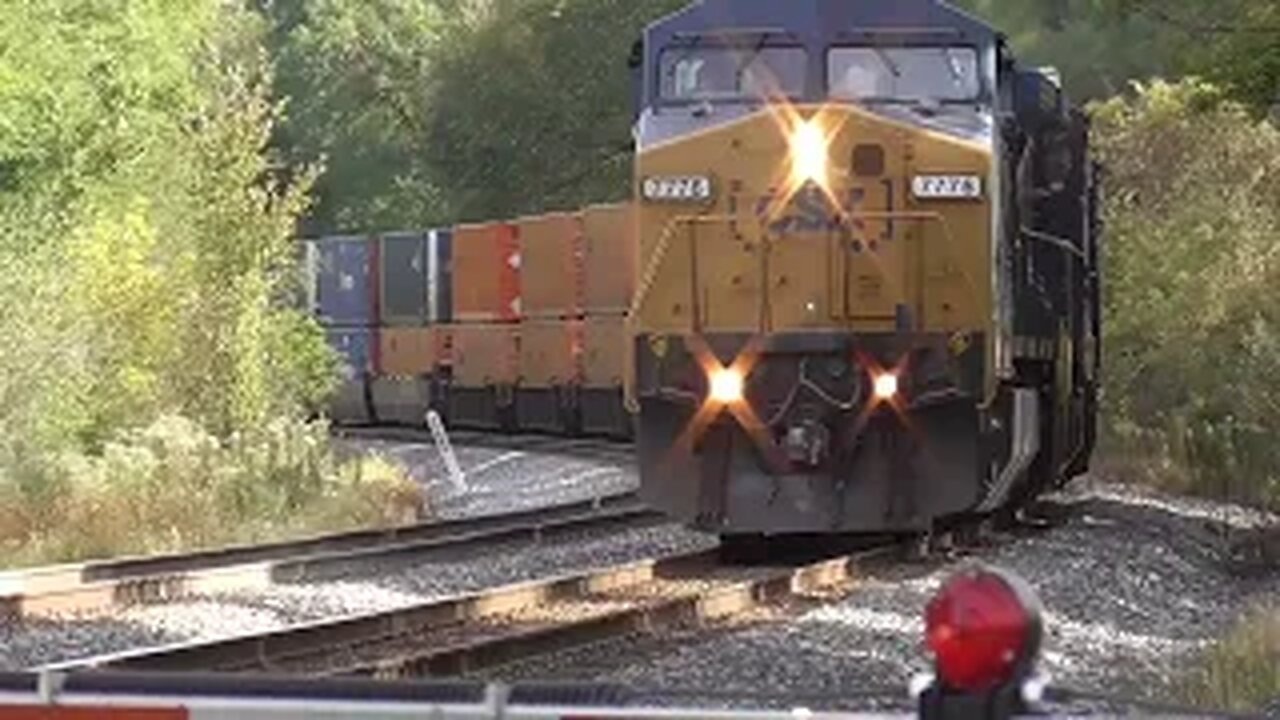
{"x": 867, "y": 290}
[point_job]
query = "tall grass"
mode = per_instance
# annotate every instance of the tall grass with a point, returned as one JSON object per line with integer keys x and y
{"x": 172, "y": 486}
{"x": 1242, "y": 672}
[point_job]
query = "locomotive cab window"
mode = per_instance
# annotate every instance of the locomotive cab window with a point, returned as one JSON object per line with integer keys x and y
{"x": 943, "y": 73}
{"x": 731, "y": 73}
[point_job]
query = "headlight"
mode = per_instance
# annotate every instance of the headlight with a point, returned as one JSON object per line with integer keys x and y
{"x": 809, "y": 154}
{"x": 726, "y": 386}
{"x": 885, "y": 386}
{"x": 693, "y": 188}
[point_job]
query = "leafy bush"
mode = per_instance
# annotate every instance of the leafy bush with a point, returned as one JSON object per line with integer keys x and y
{"x": 172, "y": 485}
{"x": 1192, "y": 333}
{"x": 147, "y": 274}
{"x": 146, "y": 231}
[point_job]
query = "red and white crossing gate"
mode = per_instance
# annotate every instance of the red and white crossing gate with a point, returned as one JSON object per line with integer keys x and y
{"x": 109, "y": 696}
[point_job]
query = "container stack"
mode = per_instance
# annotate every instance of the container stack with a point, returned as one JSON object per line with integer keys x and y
{"x": 381, "y": 300}
{"x": 609, "y": 269}
{"x": 508, "y": 326}
{"x": 485, "y": 335}
{"x": 345, "y": 297}
{"x": 551, "y": 257}
{"x": 401, "y": 386}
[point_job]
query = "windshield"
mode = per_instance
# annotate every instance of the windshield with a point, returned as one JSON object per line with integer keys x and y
{"x": 875, "y": 73}
{"x": 732, "y": 73}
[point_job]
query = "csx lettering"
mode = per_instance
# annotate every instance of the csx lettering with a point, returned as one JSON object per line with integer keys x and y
{"x": 812, "y": 210}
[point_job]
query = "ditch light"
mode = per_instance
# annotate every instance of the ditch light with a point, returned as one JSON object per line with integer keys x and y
{"x": 726, "y": 386}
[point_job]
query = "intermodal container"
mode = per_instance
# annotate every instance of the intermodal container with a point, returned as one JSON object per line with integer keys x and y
{"x": 357, "y": 350}
{"x": 440, "y": 276}
{"x": 550, "y": 353}
{"x": 401, "y": 400}
{"x": 346, "y": 280}
{"x": 609, "y": 258}
{"x": 408, "y": 351}
{"x": 551, "y": 266}
{"x": 485, "y": 354}
{"x": 403, "y": 275}
{"x": 486, "y": 273}
{"x": 604, "y": 348}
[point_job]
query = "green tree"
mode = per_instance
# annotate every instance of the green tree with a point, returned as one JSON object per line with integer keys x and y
{"x": 357, "y": 80}
{"x": 1192, "y": 318}
{"x": 431, "y": 111}
{"x": 1234, "y": 43}
{"x": 145, "y": 241}
{"x": 1097, "y": 48}
{"x": 533, "y": 107}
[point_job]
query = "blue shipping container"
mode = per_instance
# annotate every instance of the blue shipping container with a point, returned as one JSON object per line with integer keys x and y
{"x": 346, "y": 281}
{"x": 356, "y": 347}
{"x": 440, "y": 276}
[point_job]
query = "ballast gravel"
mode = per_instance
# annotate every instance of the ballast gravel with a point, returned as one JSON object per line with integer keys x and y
{"x": 506, "y": 475}
{"x": 1135, "y": 584}
{"x": 374, "y": 589}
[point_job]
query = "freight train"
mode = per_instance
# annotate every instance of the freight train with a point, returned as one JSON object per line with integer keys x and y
{"x": 856, "y": 289}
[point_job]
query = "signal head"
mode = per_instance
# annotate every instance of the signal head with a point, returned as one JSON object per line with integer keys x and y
{"x": 984, "y": 628}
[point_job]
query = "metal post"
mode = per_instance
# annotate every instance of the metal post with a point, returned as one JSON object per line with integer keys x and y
{"x": 445, "y": 448}
{"x": 49, "y": 686}
{"x": 496, "y": 697}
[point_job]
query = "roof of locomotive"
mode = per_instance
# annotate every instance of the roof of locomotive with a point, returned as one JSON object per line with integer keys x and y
{"x": 823, "y": 22}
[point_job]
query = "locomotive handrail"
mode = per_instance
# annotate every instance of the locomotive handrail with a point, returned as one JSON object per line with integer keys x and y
{"x": 647, "y": 279}
{"x": 650, "y": 274}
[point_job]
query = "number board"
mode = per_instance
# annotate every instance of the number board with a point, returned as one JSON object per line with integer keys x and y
{"x": 947, "y": 187}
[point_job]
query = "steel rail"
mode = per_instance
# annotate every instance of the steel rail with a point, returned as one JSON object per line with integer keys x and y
{"x": 140, "y": 580}
{"x": 476, "y": 630}
{"x": 732, "y": 594}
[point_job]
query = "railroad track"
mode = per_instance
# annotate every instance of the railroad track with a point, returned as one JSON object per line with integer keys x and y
{"x": 478, "y": 630}
{"x": 51, "y": 591}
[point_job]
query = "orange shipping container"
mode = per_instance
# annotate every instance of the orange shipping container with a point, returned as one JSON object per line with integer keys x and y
{"x": 409, "y": 352}
{"x": 486, "y": 273}
{"x": 604, "y": 351}
{"x": 485, "y": 355}
{"x": 550, "y": 353}
{"x": 551, "y": 257}
{"x": 610, "y": 258}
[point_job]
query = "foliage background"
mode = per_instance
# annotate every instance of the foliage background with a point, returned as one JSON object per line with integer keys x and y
{"x": 1191, "y": 307}
{"x": 147, "y": 235}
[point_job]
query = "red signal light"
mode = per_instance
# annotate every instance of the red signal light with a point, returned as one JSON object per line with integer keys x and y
{"x": 984, "y": 629}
